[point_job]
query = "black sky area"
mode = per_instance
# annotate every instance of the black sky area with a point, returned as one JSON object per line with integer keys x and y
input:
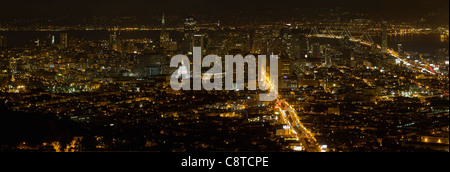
{"x": 48, "y": 8}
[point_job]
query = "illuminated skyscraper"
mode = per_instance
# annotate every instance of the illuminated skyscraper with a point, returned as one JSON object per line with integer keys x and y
{"x": 189, "y": 26}
{"x": 327, "y": 55}
{"x": 199, "y": 40}
{"x": 284, "y": 67}
{"x": 113, "y": 42}
{"x": 286, "y": 39}
{"x": 64, "y": 41}
{"x": 308, "y": 48}
{"x": 316, "y": 50}
{"x": 384, "y": 37}
{"x": 301, "y": 47}
{"x": 50, "y": 39}
{"x": 163, "y": 22}
{"x": 189, "y": 30}
{"x": 164, "y": 36}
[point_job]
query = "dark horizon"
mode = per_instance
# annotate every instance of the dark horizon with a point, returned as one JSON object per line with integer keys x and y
{"x": 385, "y": 8}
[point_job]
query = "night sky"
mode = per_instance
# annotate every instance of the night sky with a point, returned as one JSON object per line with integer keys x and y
{"x": 34, "y": 8}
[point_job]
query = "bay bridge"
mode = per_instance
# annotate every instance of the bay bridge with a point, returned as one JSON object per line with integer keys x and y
{"x": 366, "y": 40}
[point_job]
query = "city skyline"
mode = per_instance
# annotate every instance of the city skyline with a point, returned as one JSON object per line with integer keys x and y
{"x": 289, "y": 76}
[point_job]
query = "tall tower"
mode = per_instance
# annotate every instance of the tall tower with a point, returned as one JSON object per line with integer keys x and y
{"x": 189, "y": 30}
{"x": 164, "y": 36}
{"x": 163, "y": 21}
{"x": 64, "y": 41}
{"x": 190, "y": 25}
{"x": 13, "y": 68}
{"x": 316, "y": 50}
{"x": 308, "y": 48}
{"x": 328, "y": 61}
{"x": 286, "y": 39}
{"x": 198, "y": 40}
{"x": 113, "y": 42}
{"x": 384, "y": 37}
{"x": 3, "y": 42}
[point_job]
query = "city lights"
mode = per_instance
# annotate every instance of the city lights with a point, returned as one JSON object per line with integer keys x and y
{"x": 228, "y": 76}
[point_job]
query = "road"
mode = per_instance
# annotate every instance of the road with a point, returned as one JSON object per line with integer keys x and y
{"x": 290, "y": 117}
